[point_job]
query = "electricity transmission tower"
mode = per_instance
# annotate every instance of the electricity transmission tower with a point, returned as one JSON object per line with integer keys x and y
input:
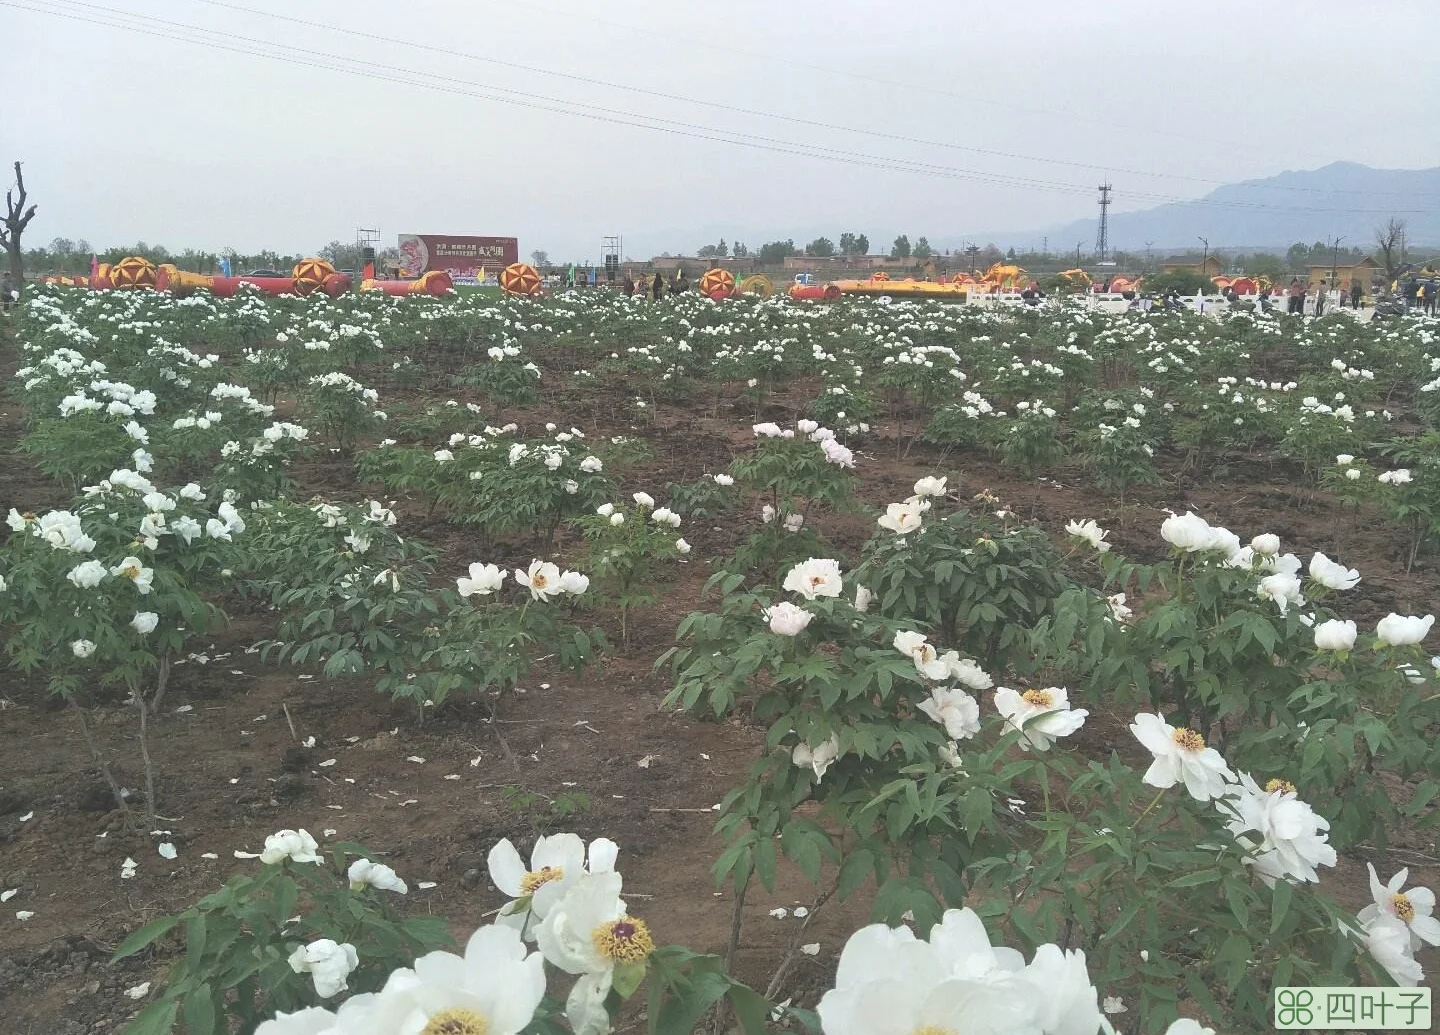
{"x": 1102, "y": 236}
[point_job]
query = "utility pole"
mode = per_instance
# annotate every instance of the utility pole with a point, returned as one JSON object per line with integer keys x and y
{"x": 1077, "y": 252}
{"x": 1102, "y": 236}
{"x": 1334, "y": 258}
{"x": 1149, "y": 254}
{"x": 1206, "y": 258}
{"x": 1045, "y": 247}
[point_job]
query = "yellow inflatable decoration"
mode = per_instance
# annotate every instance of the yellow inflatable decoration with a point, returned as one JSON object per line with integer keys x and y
{"x": 757, "y": 284}
{"x": 133, "y": 271}
{"x": 520, "y": 278}
{"x": 309, "y": 274}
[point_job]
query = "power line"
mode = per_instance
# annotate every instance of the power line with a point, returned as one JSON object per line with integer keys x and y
{"x": 1070, "y": 116}
{"x": 227, "y": 41}
{"x": 721, "y": 106}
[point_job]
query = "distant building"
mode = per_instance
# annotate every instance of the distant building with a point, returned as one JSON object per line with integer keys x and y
{"x": 850, "y": 262}
{"x": 1210, "y": 266}
{"x": 1341, "y": 275}
{"x": 693, "y": 265}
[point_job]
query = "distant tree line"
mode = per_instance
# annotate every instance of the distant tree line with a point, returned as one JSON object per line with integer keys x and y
{"x": 63, "y": 255}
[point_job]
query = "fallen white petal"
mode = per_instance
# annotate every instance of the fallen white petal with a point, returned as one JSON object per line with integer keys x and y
{"x": 328, "y": 832}
{"x": 308, "y": 742}
{"x": 779, "y": 912}
{"x": 6, "y": 896}
{"x": 810, "y": 949}
{"x": 167, "y": 850}
{"x": 181, "y": 711}
{"x": 139, "y": 991}
{"x": 24, "y": 915}
{"x": 801, "y": 912}
{"x": 416, "y": 759}
{"x": 425, "y": 885}
{"x": 328, "y": 762}
{"x": 27, "y": 817}
{"x": 128, "y": 868}
{"x": 208, "y": 855}
{"x": 451, "y": 776}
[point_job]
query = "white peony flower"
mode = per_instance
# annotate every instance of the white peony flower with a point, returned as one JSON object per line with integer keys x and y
{"x": 494, "y": 989}
{"x": 817, "y": 577}
{"x": 1335, "y": 635}
{"x": 930, "y": 486}
{"x": 966, "y": 671}
{"x": 574, "y": 583}
{"x": 786, "y": 619}
{"x": 1293, "y": 839}
{"x": 589, "y": 933}
{"x": 956, "y": 710}
{"x": 1041, "y": 716}
{"x": 145, "y": 622}
{"x": 366, "y": 874}
{"x": 483, "y": 580}
{"x": 665, "y": 516}
{"x": 901, "y": 518}
{"x": 295, "y": 845}
{"x": 1188, "y": 1026}
{"x": 682, "y": 547}
{"x": 1332, "y": 575}
{"x": 327, "y": 963}
{"x": 542, "y": 579}
{"x": 1281, "y": 588}
{"x": 927, "y": 660}
{"x": 557, "y": 862}
{"x": 1414, "y": 908}
{"x": 816, "y": 759}
{"x": 82, "y": 649}
{"x": 863, "y": 598}
{"x": 1403, "y": 630}
{"x": 87, "y": 575}
{"x": 1397, "y": 477}
{"x": 1266, "y": 545}
{"x": 310, "y": 1021}
{"x": 1181, "y": 756}
{"x": 1388, "y": 939}
{"x": 644, "y": 499}
{"x": 1090, "y": 532}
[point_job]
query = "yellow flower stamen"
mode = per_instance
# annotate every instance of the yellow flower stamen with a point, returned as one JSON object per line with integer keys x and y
{"x": 1039, "y": 698}
{"x": 626, "y": 940}
{"x": 1403, "y": 909}
{"x": 457, "y": 1021}
{"x": 1283, "y": 786}
{"x": 1188, "y": 739}
{"x": 536, "y": 879}
{"x": 539, "y": 581}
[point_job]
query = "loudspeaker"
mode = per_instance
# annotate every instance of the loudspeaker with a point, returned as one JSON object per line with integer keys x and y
{"x": 367, "y": 254}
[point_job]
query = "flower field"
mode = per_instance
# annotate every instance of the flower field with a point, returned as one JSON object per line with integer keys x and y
{"x": 1091, "y": 646}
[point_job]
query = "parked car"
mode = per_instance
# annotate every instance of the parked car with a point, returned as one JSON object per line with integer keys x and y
{"x": 266, "y": 273}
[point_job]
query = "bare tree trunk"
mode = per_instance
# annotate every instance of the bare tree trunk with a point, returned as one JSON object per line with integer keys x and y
{"x": 17, "y": 218}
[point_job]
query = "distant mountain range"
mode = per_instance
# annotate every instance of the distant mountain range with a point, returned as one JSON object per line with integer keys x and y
{"x": 1343, "y": 199}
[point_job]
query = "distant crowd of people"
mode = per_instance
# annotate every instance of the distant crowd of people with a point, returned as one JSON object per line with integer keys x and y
{"x": 656, "y": 288}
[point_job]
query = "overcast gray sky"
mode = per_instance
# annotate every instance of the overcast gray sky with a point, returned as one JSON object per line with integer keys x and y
{"x": 128, "y": 135}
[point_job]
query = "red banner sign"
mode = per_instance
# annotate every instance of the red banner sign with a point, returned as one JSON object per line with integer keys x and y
{"x": 458, "y": 256}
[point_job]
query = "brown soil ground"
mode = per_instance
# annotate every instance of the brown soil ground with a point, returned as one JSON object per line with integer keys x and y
{"x": 225, "y": 781}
